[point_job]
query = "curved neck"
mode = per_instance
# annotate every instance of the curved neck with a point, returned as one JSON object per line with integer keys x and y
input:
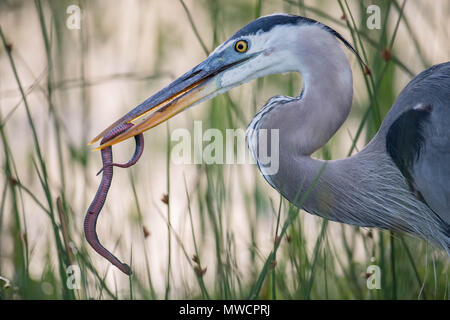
{"x": 308, "y": 122}
{"x": 305, "y": 124}
{"x": 328, "y": 90}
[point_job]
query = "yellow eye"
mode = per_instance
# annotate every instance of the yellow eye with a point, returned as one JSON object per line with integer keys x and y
{"x": 241, "y": 46}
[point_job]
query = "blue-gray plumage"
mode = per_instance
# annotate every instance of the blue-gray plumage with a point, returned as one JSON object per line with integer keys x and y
{"x": 399, "y": 181}
{"x": 418, "y": 139}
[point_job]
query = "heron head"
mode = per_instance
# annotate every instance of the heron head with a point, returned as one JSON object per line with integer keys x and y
{"x": 264, "y": 46}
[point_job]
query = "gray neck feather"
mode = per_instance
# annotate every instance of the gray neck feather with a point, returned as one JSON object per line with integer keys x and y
{"x": 305, "y": 124}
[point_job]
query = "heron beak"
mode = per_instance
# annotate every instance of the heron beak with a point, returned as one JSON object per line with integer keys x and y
{"x": 199, "y": 84}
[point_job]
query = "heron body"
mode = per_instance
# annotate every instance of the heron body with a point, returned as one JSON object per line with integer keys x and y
{"x": 399, "y": 181}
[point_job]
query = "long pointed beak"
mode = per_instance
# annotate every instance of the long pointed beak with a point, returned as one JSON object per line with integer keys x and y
{"x": 199, "y": 84}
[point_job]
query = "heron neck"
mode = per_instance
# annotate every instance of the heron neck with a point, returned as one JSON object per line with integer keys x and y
{"x": 307, "y": 123}
{"x": 328, "y": 90}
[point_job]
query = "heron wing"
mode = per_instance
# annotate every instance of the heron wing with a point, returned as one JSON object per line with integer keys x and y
{"x": 418, "y": 140}
{"x": 431, "y": 172}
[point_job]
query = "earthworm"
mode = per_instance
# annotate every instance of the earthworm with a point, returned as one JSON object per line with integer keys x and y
{"x": 90, "y": 221}
{"x": 137, "y": 154}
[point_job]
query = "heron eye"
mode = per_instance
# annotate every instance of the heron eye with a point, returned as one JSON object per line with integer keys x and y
{"x": 241, "y": 46}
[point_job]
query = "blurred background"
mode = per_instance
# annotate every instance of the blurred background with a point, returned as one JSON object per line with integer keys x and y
{"x": 188, "y": 231}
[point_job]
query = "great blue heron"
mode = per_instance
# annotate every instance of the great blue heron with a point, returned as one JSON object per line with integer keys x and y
{"x": 400, "y": 181}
